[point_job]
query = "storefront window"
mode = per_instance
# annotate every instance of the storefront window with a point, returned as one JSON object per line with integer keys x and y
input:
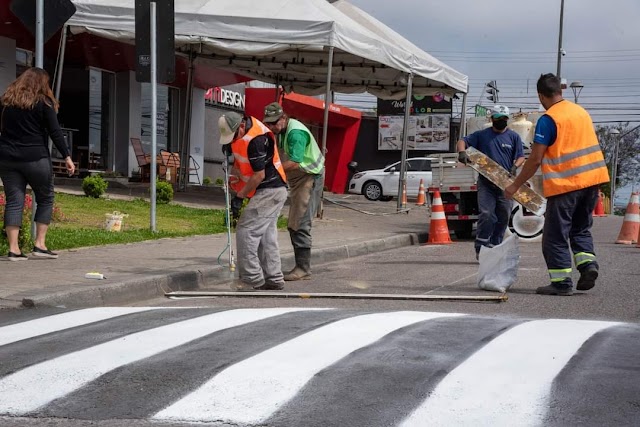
{"x": 24, "y": 60}
{"x": 167, "y": 138}
{"x": 101, "y": 101}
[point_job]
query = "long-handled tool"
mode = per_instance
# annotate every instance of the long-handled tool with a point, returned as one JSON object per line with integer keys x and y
{"x": 227, "y": 205}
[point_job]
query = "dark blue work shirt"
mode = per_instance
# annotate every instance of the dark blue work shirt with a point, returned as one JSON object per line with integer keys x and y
{"x": 504, "y": 148}
{"x": 546, "y": 131}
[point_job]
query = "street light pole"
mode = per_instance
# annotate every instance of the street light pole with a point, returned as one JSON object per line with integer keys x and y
{"x": 560, "y": 39}
{"x": 576, "y": 87}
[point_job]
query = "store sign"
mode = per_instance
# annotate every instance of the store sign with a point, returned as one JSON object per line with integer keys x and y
{"x": 217, "y": 95}
{"x": 436, "y": 104}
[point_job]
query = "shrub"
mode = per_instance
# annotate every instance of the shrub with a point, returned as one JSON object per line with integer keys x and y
{"x": 164, "y": 192}
{"x": 94, "y": 186}
{"x": 206, "y": 181}
{"x": 219, "y": 181}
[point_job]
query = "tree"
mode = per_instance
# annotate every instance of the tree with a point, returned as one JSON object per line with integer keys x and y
{"x": 628, "y": 152}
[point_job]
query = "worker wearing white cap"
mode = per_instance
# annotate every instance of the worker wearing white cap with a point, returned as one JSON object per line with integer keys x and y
{"x": 505, "y": 147}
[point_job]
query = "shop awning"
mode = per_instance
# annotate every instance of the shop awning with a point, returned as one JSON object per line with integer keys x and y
{"x": 285, "y": 41}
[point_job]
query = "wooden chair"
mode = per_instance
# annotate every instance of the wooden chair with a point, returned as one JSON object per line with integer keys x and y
{"x": 168, "y": 161}
{"x": 144, "y": 160}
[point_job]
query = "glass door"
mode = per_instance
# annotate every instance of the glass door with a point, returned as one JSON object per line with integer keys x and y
{"x": 101, "y": 119}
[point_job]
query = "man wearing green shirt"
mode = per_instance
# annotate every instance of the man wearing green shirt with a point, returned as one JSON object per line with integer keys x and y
{"x": 303, "y": 163}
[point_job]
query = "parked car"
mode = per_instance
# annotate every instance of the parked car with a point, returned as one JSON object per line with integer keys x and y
{"x": 382, "y": 184}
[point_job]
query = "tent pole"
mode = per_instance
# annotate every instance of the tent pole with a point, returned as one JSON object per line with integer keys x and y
{"x": 463, "y": 117}
{"x": 403, "y": 157}
{"x": 185, "y": 147}
{"x": 325, "y": 128}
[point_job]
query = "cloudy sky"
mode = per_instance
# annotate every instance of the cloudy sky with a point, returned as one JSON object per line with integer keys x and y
{"x": 513, "y": 42}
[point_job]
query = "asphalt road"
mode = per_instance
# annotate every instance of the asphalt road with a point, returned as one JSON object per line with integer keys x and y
{"x": 452, "y": 270}
{"x": 290, "y": 367}
{"x": 532, "y": 360}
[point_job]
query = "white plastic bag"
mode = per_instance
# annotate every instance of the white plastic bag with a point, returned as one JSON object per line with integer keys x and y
{"x": 499, "y": 265}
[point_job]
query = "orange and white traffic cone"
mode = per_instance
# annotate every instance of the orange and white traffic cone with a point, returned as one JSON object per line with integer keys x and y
{"x": 404, "y": 194}
{"x": 422, "y": 199}
{"x": 438, "y": 230}
{"x": 599, "y": 209}
{"x": 631, "y": 224}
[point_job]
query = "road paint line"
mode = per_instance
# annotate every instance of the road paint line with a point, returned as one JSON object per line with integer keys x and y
{"x": 58, "y": 322}
{"x": 254, "y": 389}
{"x": 509, "y": 379}
{"x": 38, "y": 385}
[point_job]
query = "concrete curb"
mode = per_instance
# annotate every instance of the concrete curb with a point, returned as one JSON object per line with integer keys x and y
{"x": 156, "y": 285}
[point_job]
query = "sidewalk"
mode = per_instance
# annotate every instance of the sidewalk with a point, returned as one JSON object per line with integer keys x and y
{"x": 148, "y": 269}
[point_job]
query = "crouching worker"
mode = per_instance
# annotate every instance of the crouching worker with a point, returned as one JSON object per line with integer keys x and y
{"x": 263, "y": 181}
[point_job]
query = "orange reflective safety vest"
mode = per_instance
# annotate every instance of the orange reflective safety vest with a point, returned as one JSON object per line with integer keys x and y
{"x": 241, "y": 164}
{"x": 574, "y": 161}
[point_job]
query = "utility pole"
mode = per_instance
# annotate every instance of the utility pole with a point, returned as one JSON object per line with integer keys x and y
{"x": 560, "y": 39}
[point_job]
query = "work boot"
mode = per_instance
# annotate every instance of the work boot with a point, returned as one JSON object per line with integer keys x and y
{"x": 302, "y": 270}
{"x": 271, "y": 286}
{"x": 553, "y": 289}
{"x": 587, "y": 278}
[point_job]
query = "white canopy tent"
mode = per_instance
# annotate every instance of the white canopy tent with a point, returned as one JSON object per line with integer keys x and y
{"x": 284, "y": 41}
{"x": 307, "y": 46}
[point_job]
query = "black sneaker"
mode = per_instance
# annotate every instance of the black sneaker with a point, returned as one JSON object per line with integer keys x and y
{"x": 555, "y": 290}
{"x": 587, "y": 278}
{"x": 271, "y": 287}
{"x": 17, "y": 257}
{"x": 44, "y": 253}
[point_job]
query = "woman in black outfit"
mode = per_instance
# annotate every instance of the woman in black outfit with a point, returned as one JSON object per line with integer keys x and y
{"x": 27, "y": 119}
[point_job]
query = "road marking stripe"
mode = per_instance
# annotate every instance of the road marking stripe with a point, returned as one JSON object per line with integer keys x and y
{"x": 509, "y": 379}
{"x": 58, "y": 322}
{"x": 57, "y": 377}
{"x": 254, "y": 389}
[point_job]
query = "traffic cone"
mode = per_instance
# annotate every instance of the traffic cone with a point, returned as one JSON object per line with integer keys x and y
{"x": 631, "y": 224}
{"x": 438, "y": 230}
{"x": 422, "y": 199}
{"x": 599, "y": 209}
{"x": 404, "y": 194}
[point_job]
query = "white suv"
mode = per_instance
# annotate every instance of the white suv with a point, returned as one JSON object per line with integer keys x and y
{"x": 382, "y": 184}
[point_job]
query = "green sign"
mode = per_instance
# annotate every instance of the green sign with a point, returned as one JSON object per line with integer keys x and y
{"x": 481, "y": 111}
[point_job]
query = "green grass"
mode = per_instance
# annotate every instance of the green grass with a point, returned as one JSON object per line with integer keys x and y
{"x": 83, "y": 222}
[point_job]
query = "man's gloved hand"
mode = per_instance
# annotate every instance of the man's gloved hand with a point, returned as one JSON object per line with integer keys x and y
{"x": 236, "y": 206}
{"x": 514, "y": 171}
{"x": 464, "y": 158}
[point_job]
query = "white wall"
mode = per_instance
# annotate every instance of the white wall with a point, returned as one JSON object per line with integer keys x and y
{"x": 7, "y": 62}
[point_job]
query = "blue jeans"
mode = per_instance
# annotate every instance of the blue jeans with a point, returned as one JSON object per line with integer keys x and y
{"x": 494, "y": 214}
{"x": 567, "y": 231}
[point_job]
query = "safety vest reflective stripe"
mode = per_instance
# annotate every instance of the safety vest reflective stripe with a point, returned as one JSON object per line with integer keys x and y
{"x": 583, "y": 257}
{"x": 317, "y": 164}
{"x": 571, "y": 156}
{"x": 575, "y": 171}
{"x": 558, "y": 275}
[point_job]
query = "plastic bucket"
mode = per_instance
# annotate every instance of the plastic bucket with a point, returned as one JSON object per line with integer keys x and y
{"x": 114, "y": 221}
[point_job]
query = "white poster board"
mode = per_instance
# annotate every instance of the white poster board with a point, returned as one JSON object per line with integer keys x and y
{"x": 426, "y": 132}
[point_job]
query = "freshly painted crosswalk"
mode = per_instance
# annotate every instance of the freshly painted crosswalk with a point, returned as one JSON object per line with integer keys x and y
{"x": 316, "y": 367}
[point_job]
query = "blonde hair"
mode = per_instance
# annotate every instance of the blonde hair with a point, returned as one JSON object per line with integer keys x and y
{"x": 31, "y": 87}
